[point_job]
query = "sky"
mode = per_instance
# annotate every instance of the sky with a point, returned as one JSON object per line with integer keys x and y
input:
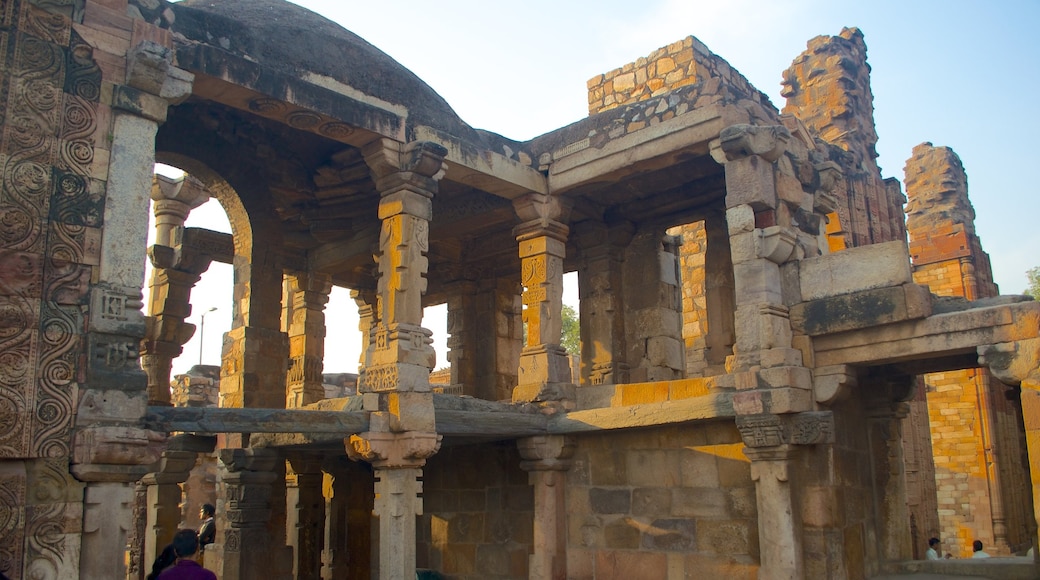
{"x": 956, "y": 73}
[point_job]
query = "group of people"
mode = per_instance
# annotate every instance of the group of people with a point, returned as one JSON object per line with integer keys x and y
{"x": 178, "y": 560}
{"x": 933, "y": 550}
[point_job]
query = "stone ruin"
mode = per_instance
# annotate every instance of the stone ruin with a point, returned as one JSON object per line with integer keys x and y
{"x": 780, "y": 377}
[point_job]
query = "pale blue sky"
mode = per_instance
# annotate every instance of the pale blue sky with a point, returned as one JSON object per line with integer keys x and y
{"x": 957, "y": 73}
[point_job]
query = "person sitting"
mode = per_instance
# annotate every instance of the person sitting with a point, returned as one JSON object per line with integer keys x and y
{"x": 976, "y": 549}
{"x": 164, "y": 560}
{"x": 185, "y": 544}
{"x": 933, "y": 549}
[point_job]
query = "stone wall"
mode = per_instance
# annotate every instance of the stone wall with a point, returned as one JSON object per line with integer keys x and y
{"x": 477, "y": 513}
{"x": 975, "y": 430}
{"x": 828, "y": 88}
{"x": 662, "y": 503}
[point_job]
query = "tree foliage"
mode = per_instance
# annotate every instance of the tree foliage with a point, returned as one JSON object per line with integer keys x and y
{"x": 571, "y": 337}
{"x": 1033, "y": 275}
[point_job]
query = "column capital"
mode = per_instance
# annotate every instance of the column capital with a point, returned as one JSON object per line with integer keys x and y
{"x": 541, "y": 215}
{"x": 408, "y": 450}
{"x": 416, "y": 166}
{"x": 767, "y": 431}
{"x": 546, "y": 452}
{"x": 1013, "y": 363}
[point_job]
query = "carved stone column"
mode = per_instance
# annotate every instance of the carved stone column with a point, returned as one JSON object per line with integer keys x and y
{"x": 306, "y": 515}
{"x": 163, "y": 500}
{"x": 397, "y": 371}
{"x": 109, "y": 450}
{"x": 484, "y": 334}
{"x": 248, "y": 541}
{"x": 601, "y": 305}
{"x": 546, "y": 458}
{"x": 779, "y": 525}
{"x": 886, "y": 450}
{"x": 772, "y": 444}
{"x": 398, "y": 459}
{"x": 366, "y": 323}
{"x": 544, "y": 373}
{"x": 308, "y": 295}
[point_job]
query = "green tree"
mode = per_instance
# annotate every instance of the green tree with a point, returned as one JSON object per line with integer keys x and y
{"x": 571, "y": 337}
{"x": 1033, "y": 275}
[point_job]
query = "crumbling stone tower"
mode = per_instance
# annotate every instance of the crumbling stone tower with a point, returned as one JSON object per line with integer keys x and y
{"x": 975, "y": 429}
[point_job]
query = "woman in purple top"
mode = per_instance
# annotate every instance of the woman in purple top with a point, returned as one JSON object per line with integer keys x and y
{"x": 185, "y": 544}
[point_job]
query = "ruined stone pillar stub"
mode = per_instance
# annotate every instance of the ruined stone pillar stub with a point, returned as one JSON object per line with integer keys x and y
{"x": 545, "y": 460}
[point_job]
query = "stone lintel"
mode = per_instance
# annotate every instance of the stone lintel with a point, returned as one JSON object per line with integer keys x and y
{"x": 622, "y": 156}
{"x": 863, "y": 309}
{"x": 937, "y": 336}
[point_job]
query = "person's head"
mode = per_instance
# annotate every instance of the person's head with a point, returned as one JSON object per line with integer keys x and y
{"x": 933, "y": 543}
{"x": 185, "y": 543}
{"x": 163, "y": 561}
{"x": 976, "y": 546}
{"x": 207, "y": 510}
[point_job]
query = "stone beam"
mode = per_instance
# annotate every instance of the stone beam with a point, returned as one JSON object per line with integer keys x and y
{"x": 707, "y": 407}
{"x": 624, "y": 154}
{"x": 937, "y": 336}
{"x": 237, "y": 420}
{"x": 484, "y": 170}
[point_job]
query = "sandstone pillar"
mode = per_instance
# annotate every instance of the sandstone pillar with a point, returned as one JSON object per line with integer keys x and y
{"x": 249, "y": 544}
{"x": 398, "y": 459}
{"x": 305, "y": 525}
{"x": 307, "y": 296}
{"x": 544, "y": 372}
{"x": 779, "y": 529}
{"x": 652, "y": 308}
{"x": 163, "y": 503}
{"x": 485, "y": 329}
{"x": 171, "y": 283}
{"x": 110, "y": 452}
{"x": 601, "y": 307}
{"x": 546, "y": 458}
{"x": 366, "y": 323}
{"x": 886, "y": 449}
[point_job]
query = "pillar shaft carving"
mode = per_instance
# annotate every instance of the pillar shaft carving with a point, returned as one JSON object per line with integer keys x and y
{"x": 306, "y": 515}
{"x": 602, "y": 310}
{"x": 546, "y": 458}
{"x": 886, "y": 449}
{"x": 162, "y": 501}
{"x": 406, "y": 176}
{"x": 544, "y": 372}
{"x": 398, "y": 459}
{"x": 249, "y": 542}
{"x": 779, "y": 527}
{"x": 307, "y": 296}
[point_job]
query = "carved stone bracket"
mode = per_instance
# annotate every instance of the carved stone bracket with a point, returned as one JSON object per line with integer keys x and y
{"x": 393, "y": 450}
{"x": 766, "y": 430}
{"x": 1013, "y": 363}
{"x": 832, "y": 384}
{"x": 740, "y": 141}
{"x": 149, "y": 68}
{"x": 546, "y": 453}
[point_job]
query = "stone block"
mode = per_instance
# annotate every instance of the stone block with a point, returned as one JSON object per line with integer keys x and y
{"x": 626, "y": 565}
{"x": 740, "y": 219}
{"x": 665, "y": 351}
{"x": 855, "y": 269}
{"x": 139, "y": 103}
{"x": 652, "y": 467}
{"x": 622, "y": 534}
{"x": 610, "y": 501}
{"x": 698, "y": 468}
{"x": 741, "y": 501}
{"x": 699, "y": 502}
{"x": 757, "y": 281}
{"x": 786, "y": 376}
{"x": 651, "y": 501}
{"x": 724, "y": 537}
{"x": 749, "y": 181}
{"x": 674, "y": 535}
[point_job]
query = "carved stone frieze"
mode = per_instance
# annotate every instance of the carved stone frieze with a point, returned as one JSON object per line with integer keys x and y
{"x": 766, "y": 430}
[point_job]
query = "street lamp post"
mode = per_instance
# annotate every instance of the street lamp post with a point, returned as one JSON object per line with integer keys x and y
{"x": 202, "y": 332}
